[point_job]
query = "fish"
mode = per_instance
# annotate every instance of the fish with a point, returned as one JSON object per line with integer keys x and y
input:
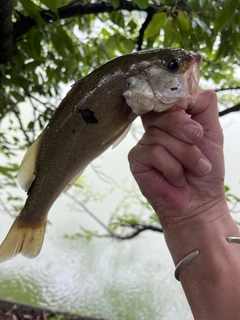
{"x": 95, "y": 114}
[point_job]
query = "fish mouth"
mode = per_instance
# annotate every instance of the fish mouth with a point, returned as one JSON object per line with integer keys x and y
{"x": 191, "y": 81}
{"x": 194, "y": 75}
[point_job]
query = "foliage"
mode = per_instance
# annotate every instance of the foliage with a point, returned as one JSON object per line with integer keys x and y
{"x": 56, "y": 42}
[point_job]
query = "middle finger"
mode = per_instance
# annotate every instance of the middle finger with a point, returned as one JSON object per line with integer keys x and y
{"x": 189, "y": 155}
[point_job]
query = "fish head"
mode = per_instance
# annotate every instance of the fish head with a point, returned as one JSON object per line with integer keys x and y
{"x": 169, "y": 81}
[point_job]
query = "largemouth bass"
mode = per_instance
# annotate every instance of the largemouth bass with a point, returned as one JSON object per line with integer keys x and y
{"x": 95, "y": 114}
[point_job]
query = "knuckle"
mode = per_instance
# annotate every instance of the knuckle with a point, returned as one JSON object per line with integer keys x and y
{"x": 133, "y": 153}
{"x": 153, "y": 132}
{"x": 190, "y": 149}
{"x": 211, "y": 94}
{"x": 177, "y": 171}
{"x": 156, "y": 151}
{"x": 153, "y": 135}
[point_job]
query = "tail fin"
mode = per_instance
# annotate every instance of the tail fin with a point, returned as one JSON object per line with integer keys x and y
{"x": 22, "y": 239}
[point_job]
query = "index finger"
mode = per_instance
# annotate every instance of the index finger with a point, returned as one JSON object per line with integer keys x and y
{"x": 176, "y": 123}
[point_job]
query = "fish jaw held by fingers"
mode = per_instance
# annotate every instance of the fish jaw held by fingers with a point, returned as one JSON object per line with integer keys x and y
{"x": 155, "y": 89}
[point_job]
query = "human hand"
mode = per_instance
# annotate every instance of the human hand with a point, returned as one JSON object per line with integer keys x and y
{"x": 181, "y": 171}
{"x": 189, "y": 200}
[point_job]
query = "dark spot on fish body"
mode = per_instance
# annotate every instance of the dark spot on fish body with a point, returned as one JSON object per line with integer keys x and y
{"x": 88, "y": 116}
{"x": 73, "y": 131}
{"x": 173, "y": 89}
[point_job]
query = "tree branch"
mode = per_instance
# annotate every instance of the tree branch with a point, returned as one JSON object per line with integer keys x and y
{"x": 138, "y": 229}
{"x": 229, "y": 110}
{"x": 76, "y": 9}
{"x": 88, "y": 211}
{"x": 150, "y": 13}
{"x": 227, "y": 88}
{"x": 6, "y": 30}
{"x": 102, "y": 176}
{"x": 16, "y": 113}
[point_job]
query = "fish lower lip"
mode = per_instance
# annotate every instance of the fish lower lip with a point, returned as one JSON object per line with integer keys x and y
{"x": 196, "y": 72}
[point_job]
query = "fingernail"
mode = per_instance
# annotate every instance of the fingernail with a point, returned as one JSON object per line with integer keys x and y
{"x": 192, "y": 131}
{"x": 204, "y": 166}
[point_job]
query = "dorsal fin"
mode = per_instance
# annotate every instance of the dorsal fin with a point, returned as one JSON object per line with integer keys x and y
{"x": 70, "y": 184}
{"x": 28, "y": 168}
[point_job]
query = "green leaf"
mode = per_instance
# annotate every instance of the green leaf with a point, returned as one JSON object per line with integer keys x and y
{"x": 33, "y": 64}
{"x": 52, "y": 5}
{"x": 126, "y": 44}
{"x": 17, "y": 96}
{"x": 142, "y": 4}
{"x": 65, "y": 39}
{"x": 225, "y": 14}
{"x": 21, "y": 81}
{"x": 36, "y": 42}
{"x": 32, "y": 10}
{"x": 117, "y": 18}
{"x": 203, "y": 25}
{"x": 31, "y": 125}
{"x": 155, "y": 25}
{"x": 132, "y": 26}
{"x": 203, "y": 3}
{"x": 184, "y": 22}
{"x": 115, "y": 3}
{"x": 111, "y": 43}
{"x": 58, "y": 44}
{"x": 29, "y": 7}
{"x": 226, "y": 188}
{"x": 3, "y": 69}
{"x": 168, "y": 32}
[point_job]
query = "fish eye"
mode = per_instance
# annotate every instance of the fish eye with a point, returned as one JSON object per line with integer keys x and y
{"x": 173, "y": 65}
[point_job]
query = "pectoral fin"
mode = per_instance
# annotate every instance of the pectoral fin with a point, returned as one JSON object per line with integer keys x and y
{"x": 122, "y": 136}
{"x": 120, "y": 129}
{"x": 28, "y": 168}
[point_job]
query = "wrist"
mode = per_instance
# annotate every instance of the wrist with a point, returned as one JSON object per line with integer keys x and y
{"x": 210, "y": 280}
{"x": 203, "y": 231}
